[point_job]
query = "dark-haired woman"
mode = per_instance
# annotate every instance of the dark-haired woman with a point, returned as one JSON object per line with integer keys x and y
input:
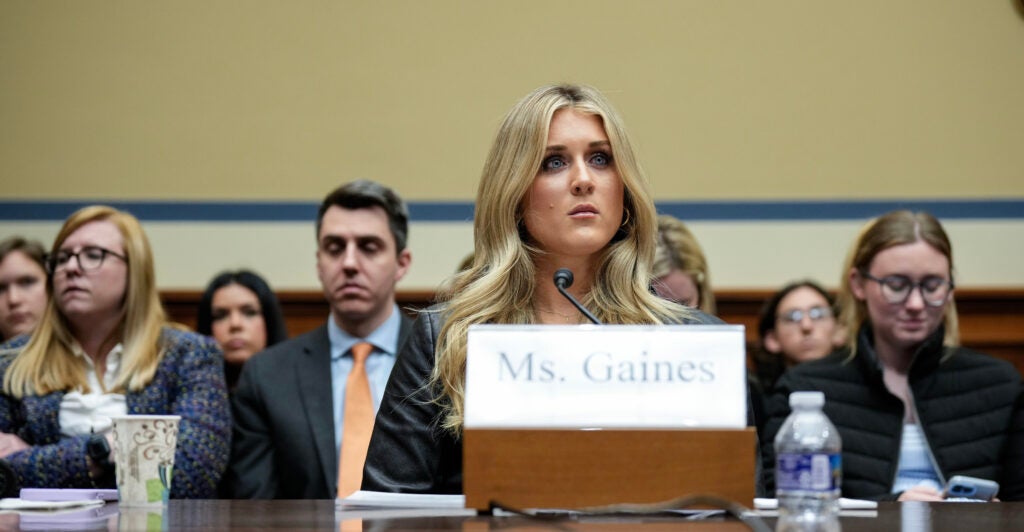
{"x": 242, "y": 313}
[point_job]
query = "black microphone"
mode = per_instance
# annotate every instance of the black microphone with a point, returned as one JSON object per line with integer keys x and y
{"x": 563, "y": 280}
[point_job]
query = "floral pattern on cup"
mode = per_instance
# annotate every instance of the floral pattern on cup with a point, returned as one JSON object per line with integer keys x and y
{"x": 144, "y": 452}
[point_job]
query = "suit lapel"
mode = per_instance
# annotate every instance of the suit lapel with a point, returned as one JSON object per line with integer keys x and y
{"x": 314, "y": 381}
{"x": 404, "y": 328}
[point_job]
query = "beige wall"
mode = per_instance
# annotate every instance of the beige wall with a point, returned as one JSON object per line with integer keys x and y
{"x": 727, "y": 100}
{"x": 275, "y": 99}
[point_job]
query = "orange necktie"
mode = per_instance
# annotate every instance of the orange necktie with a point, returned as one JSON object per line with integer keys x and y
{"x": 355, "y": 437}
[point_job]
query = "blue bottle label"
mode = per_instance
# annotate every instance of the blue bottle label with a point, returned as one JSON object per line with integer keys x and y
{"x": 808, "y": 471}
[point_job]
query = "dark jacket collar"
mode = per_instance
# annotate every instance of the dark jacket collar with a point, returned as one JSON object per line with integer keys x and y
{"x": 925, "y": 359}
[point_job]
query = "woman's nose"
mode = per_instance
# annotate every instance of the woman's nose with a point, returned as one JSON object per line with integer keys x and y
{"x": 583, "y": 182}
{"x": 74, "y": 264}
{"x": 915, "y": 300}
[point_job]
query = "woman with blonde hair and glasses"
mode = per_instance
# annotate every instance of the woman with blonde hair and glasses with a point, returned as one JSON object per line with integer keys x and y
{"x": 561, "y": 188}
{"x": 104, "y": 348}
{"x": 912, "y": 407}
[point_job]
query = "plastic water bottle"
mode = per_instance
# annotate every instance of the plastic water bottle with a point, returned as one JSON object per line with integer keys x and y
{"x": 808, "y": 467}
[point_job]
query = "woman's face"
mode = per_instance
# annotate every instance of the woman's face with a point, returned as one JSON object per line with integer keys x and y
{"x": 238, "y": 324}
{"x": 902, "y": 326}
{"x": 805, "y": 328}
{"x": 679, "y": 287}
{"x": 22, "y": 294}
{"x": 574, "y": 206}
{"x": 88, "y": 296}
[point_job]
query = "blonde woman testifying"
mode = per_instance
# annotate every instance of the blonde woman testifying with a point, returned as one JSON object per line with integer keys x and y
{"x": 104, "y": 348}
{"x": 561, "y": 188}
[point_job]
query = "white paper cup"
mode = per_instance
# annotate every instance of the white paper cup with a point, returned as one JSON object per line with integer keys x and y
{"x": 136, "y": 519}
{"x": 144, "y": 457}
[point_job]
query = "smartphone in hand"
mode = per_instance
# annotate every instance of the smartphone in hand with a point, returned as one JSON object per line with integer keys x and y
{"x": 964, "y": 487}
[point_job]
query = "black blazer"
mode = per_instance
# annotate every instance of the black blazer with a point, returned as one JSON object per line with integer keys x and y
{"x": 283, "y": 445}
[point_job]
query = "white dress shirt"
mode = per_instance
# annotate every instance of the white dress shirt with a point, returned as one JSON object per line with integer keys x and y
{"x": 87, "y": 413}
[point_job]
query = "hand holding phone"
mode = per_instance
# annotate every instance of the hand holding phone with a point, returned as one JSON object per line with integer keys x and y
{"x": 964, "y": 487}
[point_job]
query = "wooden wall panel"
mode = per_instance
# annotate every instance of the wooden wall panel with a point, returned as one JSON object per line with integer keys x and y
{"x": 991, "y": 320}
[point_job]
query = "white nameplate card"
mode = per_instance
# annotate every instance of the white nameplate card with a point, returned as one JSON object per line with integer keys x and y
{"x": 606, "y": 376}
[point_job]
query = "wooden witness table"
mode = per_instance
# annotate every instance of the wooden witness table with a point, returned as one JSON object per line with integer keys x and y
{"x": 321, "y": 515}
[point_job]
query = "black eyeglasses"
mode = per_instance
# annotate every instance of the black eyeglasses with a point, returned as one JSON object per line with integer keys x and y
{"x": 89, "y": 258}
{"x": 897, "y": 288}
{"x": 796, "y": 315}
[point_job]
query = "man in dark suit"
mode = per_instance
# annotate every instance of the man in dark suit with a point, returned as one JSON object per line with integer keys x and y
{"x": 289, "y": 404}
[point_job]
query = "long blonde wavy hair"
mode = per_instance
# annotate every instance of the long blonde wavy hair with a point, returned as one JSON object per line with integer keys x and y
{"x": 498, "y": 287}
{"x": 47, "y": 363}
{"x": 891, "y": 229}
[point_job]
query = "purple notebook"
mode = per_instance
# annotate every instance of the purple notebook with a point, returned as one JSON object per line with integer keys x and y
{"x": 50, "y": 494}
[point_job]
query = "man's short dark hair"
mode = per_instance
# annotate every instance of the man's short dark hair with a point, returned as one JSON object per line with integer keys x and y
{"x": 363, "y": 194}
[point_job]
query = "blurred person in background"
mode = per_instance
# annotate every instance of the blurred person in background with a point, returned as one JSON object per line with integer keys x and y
{"x": 241, "y": 312}
{"x": 797, "y": 324}
{"x": 22, "y": 286}
{"x": 680, "y": 269}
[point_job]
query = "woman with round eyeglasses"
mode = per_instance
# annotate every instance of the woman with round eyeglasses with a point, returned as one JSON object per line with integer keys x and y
{"x": 797, "y": 325}
{"x": 104, "y": 348}
{"x": 913, "y": 408}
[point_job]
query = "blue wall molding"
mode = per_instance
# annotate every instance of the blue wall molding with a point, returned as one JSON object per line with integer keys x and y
{"x": 455, "y": 211}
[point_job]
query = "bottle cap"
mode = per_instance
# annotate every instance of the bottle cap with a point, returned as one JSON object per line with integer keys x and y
{"x": 806, "y": 399}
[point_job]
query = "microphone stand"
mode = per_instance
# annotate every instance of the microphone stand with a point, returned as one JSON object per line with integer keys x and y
{"x": 563, "y": 280}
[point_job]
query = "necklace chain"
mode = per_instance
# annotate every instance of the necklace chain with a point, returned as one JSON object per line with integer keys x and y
{"x": 569, "y": 318}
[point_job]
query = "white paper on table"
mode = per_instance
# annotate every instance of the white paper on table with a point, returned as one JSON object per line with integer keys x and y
{"x": 380, "y": 499}
{"x": 844, "y": 504}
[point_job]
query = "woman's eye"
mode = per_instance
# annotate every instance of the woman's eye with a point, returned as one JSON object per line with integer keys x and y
{"x": 600, "y": 159}
{"x": 553, "y": 163}
{"x": 25, "y": 282}
{"x": 897, "y": 283}
{"x": 251, "y": 312}
{"x": 218, "y": 315}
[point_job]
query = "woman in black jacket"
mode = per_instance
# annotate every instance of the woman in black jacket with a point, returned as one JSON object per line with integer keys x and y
{"x": 560, "y": 188}
{"x": 912, "y": 408}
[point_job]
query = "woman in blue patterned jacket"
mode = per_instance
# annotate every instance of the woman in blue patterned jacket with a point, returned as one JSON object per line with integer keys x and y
{"x": 104, "y": 348}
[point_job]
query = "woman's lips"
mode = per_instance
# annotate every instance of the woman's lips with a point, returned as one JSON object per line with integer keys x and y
{"x": 18, "y": 318}
{"x": 583, "y": 211}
